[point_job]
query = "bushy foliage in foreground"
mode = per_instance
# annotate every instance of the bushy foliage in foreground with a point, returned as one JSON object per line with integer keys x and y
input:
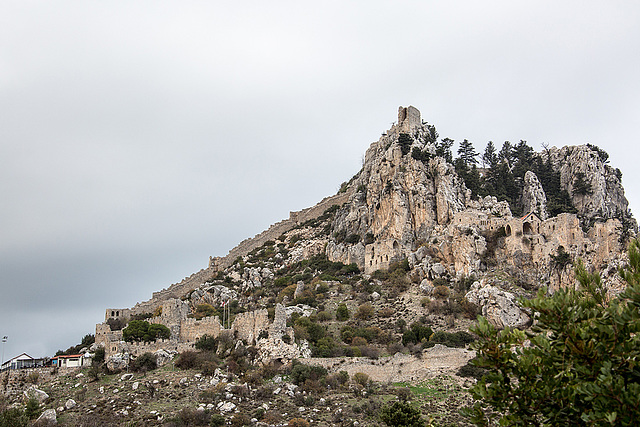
{"x": 401, "y": 414}
{"x": 582, "y": 365}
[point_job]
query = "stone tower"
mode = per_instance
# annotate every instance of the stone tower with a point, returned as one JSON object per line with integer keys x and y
{"x": 408, "y": 119}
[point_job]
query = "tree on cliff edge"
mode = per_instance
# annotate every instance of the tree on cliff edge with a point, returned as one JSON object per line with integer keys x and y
{"x": 582, "y": 366}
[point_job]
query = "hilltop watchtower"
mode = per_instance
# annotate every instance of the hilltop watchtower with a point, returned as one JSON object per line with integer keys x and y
{"x": 408, "y": 118}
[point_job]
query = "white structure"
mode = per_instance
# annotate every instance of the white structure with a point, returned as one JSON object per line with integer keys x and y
{"x": 72, "y": 360}
{"x": 23, "y": 361}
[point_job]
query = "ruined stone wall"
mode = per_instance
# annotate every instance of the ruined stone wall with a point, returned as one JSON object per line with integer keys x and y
{"x": 408, "y": 119}
{"x": 279, "y": 325}
{"x": 177, "y": 290}
{"x": 379, "y": 255}
{"x": 105, "y": 336}
{"x": 400, "y": 367}
{"x": 12, "y": 381}
{"x": 192, "y": 329}
{"x": 117, "y": 313}
{"x": 247, "y": 326}
{"x": 277, "y": 229}
{"x": 138, "y": 348}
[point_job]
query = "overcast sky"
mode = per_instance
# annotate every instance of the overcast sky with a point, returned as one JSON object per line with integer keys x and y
{"x": 137, "y": 138}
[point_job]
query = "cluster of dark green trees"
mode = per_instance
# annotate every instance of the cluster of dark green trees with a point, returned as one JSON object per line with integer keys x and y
{"x": 141, "y": 330}
{"x": 504, "y": 175}
{"x": 504, "y": 170}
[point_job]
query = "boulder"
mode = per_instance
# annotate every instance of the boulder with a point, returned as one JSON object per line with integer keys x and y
{"x": 498, "y": 307}
{"x": 49, "y": 416}
{"x": 70, "y": 404}
{"x": 437, "y": 270}
{"x": 426, "y": 287}
{"x": 118, "y": 361}
{"x": 34, "y": 392}
{"x": 226, "y": 406}
{"x": 163, "y": 357}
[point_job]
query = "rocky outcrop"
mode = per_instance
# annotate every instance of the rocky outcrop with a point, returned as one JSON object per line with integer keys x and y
{"x": 533, "y": 197}
{"x": 48, "y": 417}
{"x": 35, "y": 393}
{"x": 273, "y": 348}
{"x": 604, "y": 194}
{"x": 399, "y": 199}
{"x": 499, "y": 307}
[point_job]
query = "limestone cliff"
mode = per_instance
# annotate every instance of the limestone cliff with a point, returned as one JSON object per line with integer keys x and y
{"x": 533, "y": 197}
{"x": 603, "y": 195}
{"x": 399, "y": 200}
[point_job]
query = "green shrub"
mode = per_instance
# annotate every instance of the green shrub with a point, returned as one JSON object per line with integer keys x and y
{"x": 416, "y": 334}
{"x": 471, "y": 370}
{"x": 401, "y": 414}
{"x": 216, "y": 420}
{"x": 204, "y": 310}
{"x": 456, "y": 339}
{"x": 32, "y": 409}
{"x": 352, "y": 238}
{"x": 187, "y": 360}
{"x": 301, "y": 372}
{"x": 405, "y": 141}
{"x": 207, "y": 343}
{"x": 145, "y": 362}
{"x": 361, "y": 378}
{"x": 13, "y": 417}
{"x": 580, "y": 366}
{"x": 342, "y": 313}
{"x": 191, "y": 417}
{"x": 324, "y": 316}
{"x": 365, "y": 312}
{"x": 324, "y": 347}
{"x": 98, "y": 356}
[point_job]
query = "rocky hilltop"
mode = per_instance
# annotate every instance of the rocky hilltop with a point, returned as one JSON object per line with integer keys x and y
{"x": 518, "y": 223}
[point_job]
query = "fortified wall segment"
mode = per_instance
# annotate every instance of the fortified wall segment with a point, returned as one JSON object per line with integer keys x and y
{"x": 185, "y": 331}
{"x": 177, "y": 290}
{"x": 276, "y": 230}
{"x": 117, "y": 313}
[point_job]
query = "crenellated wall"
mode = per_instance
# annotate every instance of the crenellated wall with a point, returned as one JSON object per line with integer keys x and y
{"x": 192, "y": 329}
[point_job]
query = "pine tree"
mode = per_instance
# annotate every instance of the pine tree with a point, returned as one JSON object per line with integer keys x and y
{"x": 506, "y": 154}
{"x": 489, "y": 158}
{"x": 443, "y": 149}
{"x": 467, "y": 153}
